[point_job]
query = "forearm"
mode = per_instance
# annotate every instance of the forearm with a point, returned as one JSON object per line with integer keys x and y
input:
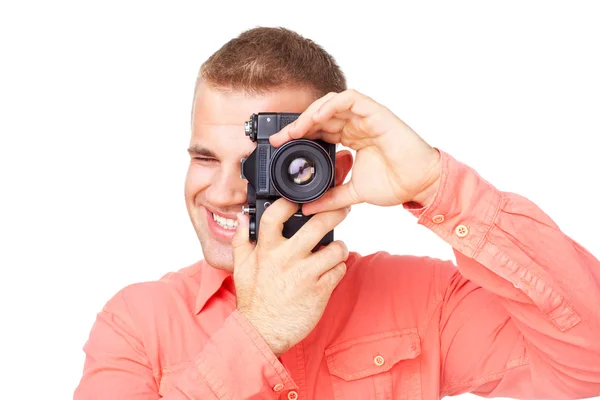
{"x": 546, "y": 282}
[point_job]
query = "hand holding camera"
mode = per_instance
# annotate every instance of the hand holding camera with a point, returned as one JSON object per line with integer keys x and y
{"x": 300, "y": 171}
{"x": 282, "y": 286}
{"x": 282, "y": 283}
{"x": 393, "y": 165}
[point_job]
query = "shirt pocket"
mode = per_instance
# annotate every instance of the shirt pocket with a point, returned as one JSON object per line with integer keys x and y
{"x": 380, "y": 366}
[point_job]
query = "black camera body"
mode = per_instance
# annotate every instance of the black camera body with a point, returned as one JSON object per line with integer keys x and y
{"x": 300, "y": 170}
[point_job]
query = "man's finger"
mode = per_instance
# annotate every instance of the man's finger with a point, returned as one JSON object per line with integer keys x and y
{"x": 331, "y": 278}
{"x": 349, "y": 100}
{"x": 330, "y": 132}
{"x": 334, "y": 125}
{"x": 311, "y": 233}
{"x": 271, "y": 223}
{"x": 305, "y": 122}
{"x": 335, "y": 198}
{"x": 299, "y": 127}
{"x": 334, "y": 138}
{"x": 326, "y": 258}
{"x": 241, "y": 244}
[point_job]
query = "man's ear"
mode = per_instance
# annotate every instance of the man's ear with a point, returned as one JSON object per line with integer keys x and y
{"x": 343, "y": 165}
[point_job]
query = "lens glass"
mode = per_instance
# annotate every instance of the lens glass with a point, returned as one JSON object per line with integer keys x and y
{"x": 301, "y": 171}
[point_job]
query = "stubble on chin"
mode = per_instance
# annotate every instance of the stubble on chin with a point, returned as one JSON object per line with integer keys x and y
{"x": 216, "y": 254}
{"x": 219, "y": 257}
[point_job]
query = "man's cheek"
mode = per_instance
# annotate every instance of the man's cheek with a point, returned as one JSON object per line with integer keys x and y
{"x": 196, "y": 181}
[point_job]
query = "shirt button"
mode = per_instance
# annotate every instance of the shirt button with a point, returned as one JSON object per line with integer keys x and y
{"x": 438, "y": 219}
{"x": 461, "y": 231}
{"x": 278, "y": 387}
{"x": 378, "y": 361}
{"x": 292, "y": 395}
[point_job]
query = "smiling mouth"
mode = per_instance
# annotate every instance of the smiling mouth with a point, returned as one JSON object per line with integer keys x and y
{"x": 225, "y": 223}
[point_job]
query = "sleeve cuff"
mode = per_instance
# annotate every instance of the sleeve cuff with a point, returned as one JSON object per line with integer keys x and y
{"x": 463, "y": 209}
{"x": 241, "y": 362}
{"x": 277, "y": 375}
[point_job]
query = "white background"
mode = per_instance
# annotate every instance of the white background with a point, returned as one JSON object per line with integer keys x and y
{"x": 95, "y": 102}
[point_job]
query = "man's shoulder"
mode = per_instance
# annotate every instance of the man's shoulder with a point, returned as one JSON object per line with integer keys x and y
{"x": 175, "y": 288}
{"x": 181, "y": 280}
{"x": 402, "y": 275}
{"x": 405, "y": 289}
{"x": 382, "y": 262}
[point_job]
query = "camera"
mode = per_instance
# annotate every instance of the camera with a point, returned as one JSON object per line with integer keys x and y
{"x": 300, "y": 170}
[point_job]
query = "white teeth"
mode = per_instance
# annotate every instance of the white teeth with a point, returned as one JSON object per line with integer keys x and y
{"x": 226, "y": 223}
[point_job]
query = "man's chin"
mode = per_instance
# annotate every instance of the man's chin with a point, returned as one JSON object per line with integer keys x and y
{"x": 217, "y": 252}
{"x": 218, "y": 255}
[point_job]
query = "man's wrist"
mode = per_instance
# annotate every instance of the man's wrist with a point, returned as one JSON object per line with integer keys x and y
{"x": 276, "y": 345}
{"x": 426, "y": 196}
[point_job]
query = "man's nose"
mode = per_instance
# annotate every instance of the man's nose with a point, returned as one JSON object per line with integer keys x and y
{"x": 228, "y": 188}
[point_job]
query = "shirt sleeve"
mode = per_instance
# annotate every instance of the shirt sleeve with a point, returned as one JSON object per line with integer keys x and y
{"x": 235, "y": 363}
{"x": 520, "y": 315}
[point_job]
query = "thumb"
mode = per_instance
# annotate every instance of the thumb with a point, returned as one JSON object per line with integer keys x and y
{"x": 242, "y": 247}
{"x": 335, "y": 198}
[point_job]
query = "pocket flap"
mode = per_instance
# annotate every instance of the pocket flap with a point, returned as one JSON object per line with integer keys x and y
{"x": 372, "y": 354}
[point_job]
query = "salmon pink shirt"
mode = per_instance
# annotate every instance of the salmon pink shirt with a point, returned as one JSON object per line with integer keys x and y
{"x": 518, "y": 316}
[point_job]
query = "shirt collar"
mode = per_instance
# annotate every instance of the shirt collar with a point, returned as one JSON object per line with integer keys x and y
{"x": 211, "y": 280}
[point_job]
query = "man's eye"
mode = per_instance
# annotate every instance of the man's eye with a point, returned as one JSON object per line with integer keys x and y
{"x": 204, "y": 159}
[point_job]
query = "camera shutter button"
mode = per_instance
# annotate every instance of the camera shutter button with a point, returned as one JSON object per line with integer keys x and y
{"x": 248, "y": 210}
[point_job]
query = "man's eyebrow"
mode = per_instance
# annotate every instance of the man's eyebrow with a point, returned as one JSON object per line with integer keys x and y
{"x": 201, "y": 151}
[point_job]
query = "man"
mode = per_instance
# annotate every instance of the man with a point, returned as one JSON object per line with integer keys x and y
{"x": 517, "y": 317}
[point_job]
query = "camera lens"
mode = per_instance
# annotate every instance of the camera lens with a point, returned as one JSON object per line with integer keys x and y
{"x": 301, "y": 171}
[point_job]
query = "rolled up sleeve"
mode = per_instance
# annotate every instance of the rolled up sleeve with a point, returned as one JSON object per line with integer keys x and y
{"x": 521, "y": 312}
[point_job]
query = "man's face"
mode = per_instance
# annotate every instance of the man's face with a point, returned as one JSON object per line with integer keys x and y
{"x": 214, "y": 191}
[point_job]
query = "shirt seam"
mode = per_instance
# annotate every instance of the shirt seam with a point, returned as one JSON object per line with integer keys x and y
{"x": 484, "y": 379}
{"x": 437, "y": 200}
{"x": 199, "y": 365}
{"x": 497, "y": 207}
{"x": 171, "y": 274}
{"x": 563, "y": 302}
{"x": 155, "y": 373}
